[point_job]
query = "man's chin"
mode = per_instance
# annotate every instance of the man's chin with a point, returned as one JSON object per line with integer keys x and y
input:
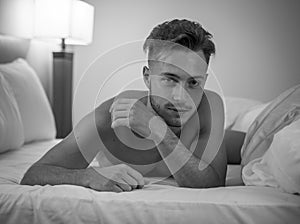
{"x": 175, "y": 123}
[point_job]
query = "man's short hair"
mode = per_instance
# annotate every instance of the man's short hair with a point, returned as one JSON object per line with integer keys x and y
{"x": 181, "y": 32}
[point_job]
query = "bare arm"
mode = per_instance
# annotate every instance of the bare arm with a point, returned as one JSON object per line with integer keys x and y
{"x": 234, "y": 141}
{"x": 66, "y": 162}
{"x": 189, "y": 174}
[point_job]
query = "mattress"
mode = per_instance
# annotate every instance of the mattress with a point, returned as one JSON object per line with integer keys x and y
{"x": 155, "y": 203}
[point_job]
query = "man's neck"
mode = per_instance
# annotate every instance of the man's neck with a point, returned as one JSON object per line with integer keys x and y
{"x": 176, "y": 130}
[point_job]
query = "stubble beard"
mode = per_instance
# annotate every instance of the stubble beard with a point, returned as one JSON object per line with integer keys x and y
{"x": 157, "y": 108}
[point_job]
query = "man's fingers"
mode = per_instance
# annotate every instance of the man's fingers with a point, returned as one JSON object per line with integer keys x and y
{"x": 120, "y": 114}
{"x": 122, "y": 102}
{"x": 125, "y": 100}
{"x": 120, "y": 107}
{"x": 120, "y": 122}
{"x": 123, "y": 185}
{"x": 131, "y": 181}
{"x": 136, "y": 175}
{"x": 117, "y": 189}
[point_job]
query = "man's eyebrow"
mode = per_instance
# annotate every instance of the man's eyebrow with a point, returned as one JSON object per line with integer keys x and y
{"x": 178, "y": 77}
{"x": 170, "y": 74}
{"x": 197, "y": 77}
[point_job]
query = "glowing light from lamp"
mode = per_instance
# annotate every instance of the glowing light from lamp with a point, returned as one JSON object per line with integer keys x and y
{"x": 72, "y": 20}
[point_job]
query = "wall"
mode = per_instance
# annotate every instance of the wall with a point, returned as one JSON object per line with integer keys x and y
{"x": 16, "y": 19}
{"x": 257, "y": 43}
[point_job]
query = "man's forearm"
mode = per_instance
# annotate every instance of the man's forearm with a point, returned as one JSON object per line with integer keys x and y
{"x": 185, "y": 166}
{"x": 40, "y": 174}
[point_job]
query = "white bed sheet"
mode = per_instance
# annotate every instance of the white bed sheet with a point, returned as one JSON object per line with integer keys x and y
{"x": 153, "y": 204}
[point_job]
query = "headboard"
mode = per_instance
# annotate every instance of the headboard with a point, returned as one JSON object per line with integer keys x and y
{"x": 12, "y": 48}
{"x": 38, "y": 55}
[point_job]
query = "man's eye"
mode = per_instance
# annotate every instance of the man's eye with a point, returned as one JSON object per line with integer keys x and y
{"x": 167, "y": 80}
{"x": 194, "y": 83}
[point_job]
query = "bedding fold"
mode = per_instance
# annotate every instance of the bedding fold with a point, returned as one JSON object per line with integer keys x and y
{"x": 281, "y": 112}
{"x": 271, "y": 148}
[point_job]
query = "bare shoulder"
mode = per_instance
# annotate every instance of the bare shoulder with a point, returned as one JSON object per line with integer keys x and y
{"x": 210, "y": 102}
{"x": 215, "y": 104}
{"x": 211, "y": 107}
{"x": 213, "y": 98}
{"x": 216, "y": 108}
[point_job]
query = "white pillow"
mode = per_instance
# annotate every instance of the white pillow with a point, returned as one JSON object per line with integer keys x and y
{"x": 279, "y": 167}
{"x": 283, "y": 158}
{"x": 236, "y": 106}
{"x": 246, "y": 118}
{"x": 37, "y": 117}
{"x": 11, "y": 127}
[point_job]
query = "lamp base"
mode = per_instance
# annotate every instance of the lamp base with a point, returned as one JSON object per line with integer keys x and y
{"x": 62, "y": 92}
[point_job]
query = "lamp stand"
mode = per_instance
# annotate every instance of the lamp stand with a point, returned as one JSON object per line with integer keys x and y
{"x": 62, "y": 92}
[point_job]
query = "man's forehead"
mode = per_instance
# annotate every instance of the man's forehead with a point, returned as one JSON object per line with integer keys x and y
{"x": 191, "y": 62}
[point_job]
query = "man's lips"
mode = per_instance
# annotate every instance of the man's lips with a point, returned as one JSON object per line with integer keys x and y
{"x": 178, "y": 109}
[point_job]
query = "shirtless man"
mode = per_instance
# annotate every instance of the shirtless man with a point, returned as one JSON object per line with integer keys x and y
{"x": 161, "y": 132}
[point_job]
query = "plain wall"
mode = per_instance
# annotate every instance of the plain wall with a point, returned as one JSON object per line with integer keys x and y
{"x": 257, "y": 43}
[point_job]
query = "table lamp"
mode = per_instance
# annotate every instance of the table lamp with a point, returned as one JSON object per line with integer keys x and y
{"x": 70, "y": 22}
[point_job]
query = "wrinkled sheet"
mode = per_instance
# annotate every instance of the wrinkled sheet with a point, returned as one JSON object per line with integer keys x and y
{"x": 153, "y": 204}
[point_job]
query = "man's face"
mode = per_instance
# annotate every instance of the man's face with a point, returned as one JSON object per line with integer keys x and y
{"x": 176, "y": 85}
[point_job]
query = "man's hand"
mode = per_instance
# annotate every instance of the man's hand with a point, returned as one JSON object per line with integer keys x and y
{"x": 116, "y": 178}
{"x": 135, "y": 115}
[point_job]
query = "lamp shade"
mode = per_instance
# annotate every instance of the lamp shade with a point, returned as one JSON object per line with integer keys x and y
{"x": 72, "y": 20}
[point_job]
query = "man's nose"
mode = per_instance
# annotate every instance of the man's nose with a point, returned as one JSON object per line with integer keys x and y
{"x": 178, "y": 93}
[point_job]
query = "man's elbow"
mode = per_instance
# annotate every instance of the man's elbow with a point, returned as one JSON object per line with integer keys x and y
{"x": 28, "y": 178}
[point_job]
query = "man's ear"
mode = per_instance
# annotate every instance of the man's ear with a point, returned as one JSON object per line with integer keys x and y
{"x": 205, "y": 76}
{"x": 146, "y": 76}
{"x": 204, "y": 81}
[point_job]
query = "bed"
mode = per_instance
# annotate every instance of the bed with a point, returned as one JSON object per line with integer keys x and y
{"x": 162, "y": 202}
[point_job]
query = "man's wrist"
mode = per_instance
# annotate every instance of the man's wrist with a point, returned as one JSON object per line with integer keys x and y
{"x": 158, "y": 129}
{"x": 82, "y": 177}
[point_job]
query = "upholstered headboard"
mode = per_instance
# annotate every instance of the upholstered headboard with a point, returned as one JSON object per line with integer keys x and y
{"x": 38, "y": 54}
{"x": 12, "y": 48}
